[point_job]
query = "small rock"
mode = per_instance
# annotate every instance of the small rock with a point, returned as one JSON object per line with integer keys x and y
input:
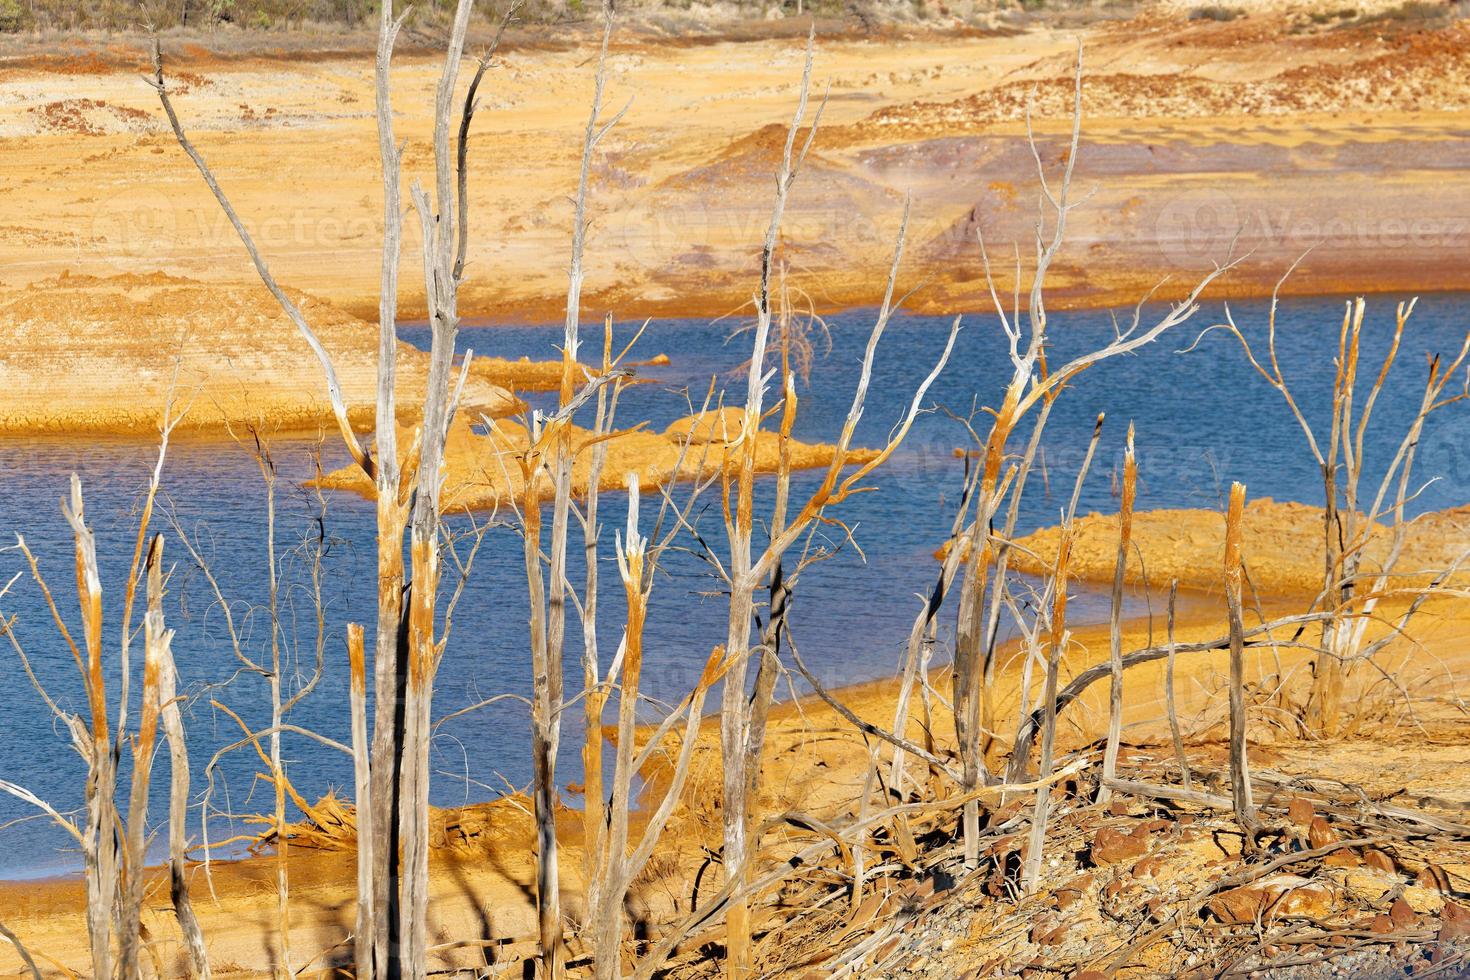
{"x": 1433, "y": 877}
{"x": 1454, "y": 923}
{"x": 1301, "y": 812}
{"x": 1368, "y": 885}
{"x": 1425, "y": 901}
{"x": 1381, "y": 924}
{"x": 1374, "y": 858}
{"x": 1320, "y": 832}
{"x": 1278, "y": 895}
{"x": 1079, "y": 884}
{"x": 1119, "y": 807}
{"x": 1402, "y": 914}
{"x": 1149, "y": 867}
{"x": 1113, "y": 847}
{"x": 1057, "y": 936}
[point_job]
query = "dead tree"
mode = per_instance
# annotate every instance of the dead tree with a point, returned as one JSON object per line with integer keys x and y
{"x": 1115, "y": 620}
{"x": 1351, "y": 518}
{"x": 1032, "y": 383}
{"x": 407, "y": 486}
{"x": 111, "y": 846}
{"x": 748, "y": 569}
{"x": 1240, "y": 779}
{"x": 551, "y": 452}
{"x": 113, "y": 842}
{"x": 178, "y": 800}
{"x": 617, "y": 852}
{"x": 1056, "y": 627}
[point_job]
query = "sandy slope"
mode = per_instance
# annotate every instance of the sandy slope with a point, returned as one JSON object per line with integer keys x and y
{"x": 113, "y": 354}
{"x": 1343, "y": 135}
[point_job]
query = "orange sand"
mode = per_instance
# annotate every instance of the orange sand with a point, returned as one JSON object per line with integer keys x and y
{"x": 1283, "y": 547}
{"x": 109, "y": 355}
{"x": 484, "y": 471}
{"x": 1293, "y": 132}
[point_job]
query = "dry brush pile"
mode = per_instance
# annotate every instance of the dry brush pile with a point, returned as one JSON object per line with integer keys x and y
{"x": 969, "y": 806}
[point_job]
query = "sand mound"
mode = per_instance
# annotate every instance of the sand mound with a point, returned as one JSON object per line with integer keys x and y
{"x": 484, "y": 467}
{"x": 104, "y": 355}
{"x": 1283, "y": 547}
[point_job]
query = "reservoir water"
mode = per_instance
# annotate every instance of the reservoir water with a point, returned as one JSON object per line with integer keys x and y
{"x": 1203, "y": 419}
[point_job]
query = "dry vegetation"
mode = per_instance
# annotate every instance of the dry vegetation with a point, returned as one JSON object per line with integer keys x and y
{"x": 984, "y": 814}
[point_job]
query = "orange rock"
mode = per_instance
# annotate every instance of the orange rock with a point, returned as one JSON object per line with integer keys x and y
{"x": 1114, "y": 847}
{"x": 1301, "y": 812}
{"x": 1273, "y": 897}
{"x": 1149, "y": 867}
{"x": 1434, "y": 878}
{"x": 1378, "y": 860}
{"x": 1320, "y": 832}
{"x": 1402, "y": 914}
{"x": 1454, "y": 922}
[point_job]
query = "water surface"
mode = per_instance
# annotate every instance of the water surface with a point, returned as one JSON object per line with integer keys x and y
{"x": 1203, "y": 419}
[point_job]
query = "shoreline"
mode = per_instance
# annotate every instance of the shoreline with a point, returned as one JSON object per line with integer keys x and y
{"x": 814, "y": 764}
{"x": 1192, "y": 608}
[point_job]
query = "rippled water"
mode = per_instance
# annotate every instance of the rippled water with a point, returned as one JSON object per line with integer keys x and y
{"x": 1203, "y": 419}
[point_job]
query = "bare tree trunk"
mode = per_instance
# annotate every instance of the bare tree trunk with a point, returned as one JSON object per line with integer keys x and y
{"x": 1031, "y": 876}
{"x": 377, "y": 906}
{"x": 543, "y": 709}
{"x": 1240, "y": 781}
{"x": 363, "y": 932}
{"x": 135, "y": 847}
{"x": 178, "y": 802}
{"x": 441, "y": 290}
{"x": 99, "y": 842}
{"x": 273, "y": 680}
{"x": 1115, "y": 622}
{"x": 1169, "y": 693}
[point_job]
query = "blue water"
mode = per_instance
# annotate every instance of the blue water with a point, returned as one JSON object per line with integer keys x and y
{"x": 1203, "y": 419}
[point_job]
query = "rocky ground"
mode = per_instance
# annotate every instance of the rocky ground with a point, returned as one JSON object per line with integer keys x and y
{"x": 1344, "y": 885}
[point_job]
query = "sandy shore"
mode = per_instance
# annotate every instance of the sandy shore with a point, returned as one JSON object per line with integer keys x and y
{"x": 1345, "y": 135}
{"x": 113, "y": 355}
{"x": 481, "y": 864}
{"x": 1283, "y": 546}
